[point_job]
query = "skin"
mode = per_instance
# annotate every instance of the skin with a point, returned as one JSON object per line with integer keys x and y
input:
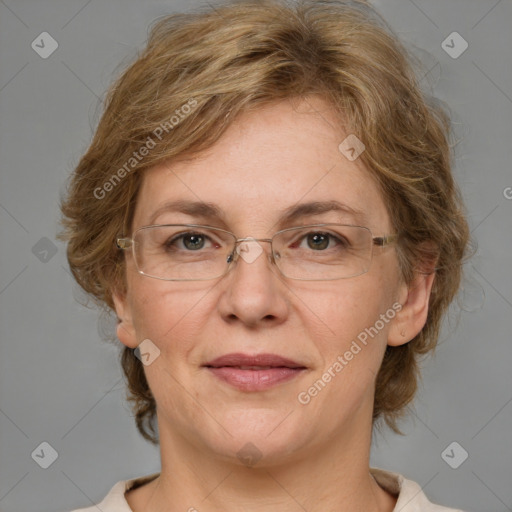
{"x": 314, "y": 456}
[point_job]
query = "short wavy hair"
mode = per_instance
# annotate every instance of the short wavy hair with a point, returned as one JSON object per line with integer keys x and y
{"x": 242, "y": 55}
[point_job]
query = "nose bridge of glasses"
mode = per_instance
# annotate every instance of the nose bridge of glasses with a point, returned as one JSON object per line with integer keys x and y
{"x": 252, "y": 239}
{"x": 250, "y": 251}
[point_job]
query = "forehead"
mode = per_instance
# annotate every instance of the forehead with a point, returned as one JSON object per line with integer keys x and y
{"x": 267, "y": 162}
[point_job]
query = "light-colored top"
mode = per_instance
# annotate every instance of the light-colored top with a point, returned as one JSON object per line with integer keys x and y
{"x": 410, "y": 496}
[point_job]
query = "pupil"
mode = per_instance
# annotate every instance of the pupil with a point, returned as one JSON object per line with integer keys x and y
{"x": 196, "y": 241}
{"x": 324, "y": 241}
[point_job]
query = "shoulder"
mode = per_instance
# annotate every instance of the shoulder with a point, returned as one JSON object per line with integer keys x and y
{"x": 410, "y": 496}
{"x": 112, "y": 502}
{"x": 115, "y": 500}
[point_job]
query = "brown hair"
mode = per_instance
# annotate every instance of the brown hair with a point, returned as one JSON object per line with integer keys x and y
{"x": 242, "y": 55}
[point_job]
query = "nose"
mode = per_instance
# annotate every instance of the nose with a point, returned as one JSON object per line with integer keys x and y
{"x": 253, "y": 291}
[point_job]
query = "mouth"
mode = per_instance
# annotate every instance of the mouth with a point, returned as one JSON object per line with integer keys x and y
{"x": 254, "y": 372}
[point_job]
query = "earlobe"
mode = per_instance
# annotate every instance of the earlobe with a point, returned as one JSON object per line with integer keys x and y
{"x": 412, "y": 317}
{"x": 125, "y": 328}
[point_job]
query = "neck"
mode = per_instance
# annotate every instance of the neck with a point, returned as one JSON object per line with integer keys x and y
{"x": 332, "y": 476}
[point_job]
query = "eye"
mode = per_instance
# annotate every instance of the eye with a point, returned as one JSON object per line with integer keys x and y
{"x": 191, "y": 241}
{"x": 319, "y": 241}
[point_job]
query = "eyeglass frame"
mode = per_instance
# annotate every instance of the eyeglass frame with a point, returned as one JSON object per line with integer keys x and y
{"x": 125, "y": 243}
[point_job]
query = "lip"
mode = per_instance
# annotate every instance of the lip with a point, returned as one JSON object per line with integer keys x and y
{"x": 240, "y": 359}
{"x": 254, "y": 372}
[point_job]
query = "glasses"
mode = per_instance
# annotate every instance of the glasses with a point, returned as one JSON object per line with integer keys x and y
{"x": 193, "y": 252}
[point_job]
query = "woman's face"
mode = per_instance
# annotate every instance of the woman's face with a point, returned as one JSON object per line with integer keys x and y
{"x": 268, "y": 160}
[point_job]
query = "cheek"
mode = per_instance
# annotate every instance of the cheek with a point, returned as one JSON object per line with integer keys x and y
{"x": 351, "y": 314}
{"x": 350, "y": 347}
{"x": 171, "y": 315}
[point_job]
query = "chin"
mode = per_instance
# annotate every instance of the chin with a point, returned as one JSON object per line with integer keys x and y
{"x": 259, "y": 437}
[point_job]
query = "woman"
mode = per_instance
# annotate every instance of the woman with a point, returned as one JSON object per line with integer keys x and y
{"x": 268, "y": 206}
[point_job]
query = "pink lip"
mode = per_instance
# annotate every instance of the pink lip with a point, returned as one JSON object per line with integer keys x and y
{"x": 233, "y": 369}
{"x": 239, "y": 359}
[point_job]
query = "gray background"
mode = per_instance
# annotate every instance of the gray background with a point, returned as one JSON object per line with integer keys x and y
{"x": 60, "y": 383}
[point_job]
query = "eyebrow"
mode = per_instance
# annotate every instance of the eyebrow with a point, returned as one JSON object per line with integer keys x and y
{"x": 207, "y": 210}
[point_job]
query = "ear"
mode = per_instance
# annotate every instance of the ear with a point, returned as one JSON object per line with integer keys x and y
{"x": 414, "y": 299}
{"x": 125, "y": 328}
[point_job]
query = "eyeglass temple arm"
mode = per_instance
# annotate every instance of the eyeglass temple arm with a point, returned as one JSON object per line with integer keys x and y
{"x": 123, "y": 243}
{"x": 385, "y": 240}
